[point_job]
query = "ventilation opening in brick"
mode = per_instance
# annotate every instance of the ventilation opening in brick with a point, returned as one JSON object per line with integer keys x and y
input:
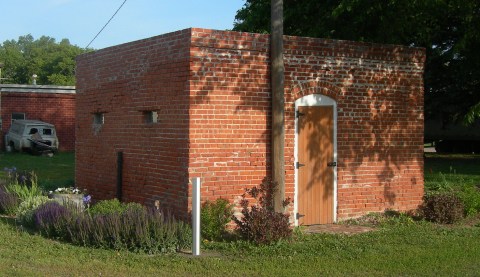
{"x": 98, "y": 118}
{"x": 17, "y": 116}
{"x": 150, "y": 117}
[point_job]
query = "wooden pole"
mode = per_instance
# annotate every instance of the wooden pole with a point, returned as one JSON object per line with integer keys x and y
{"x": 278, "y": 102}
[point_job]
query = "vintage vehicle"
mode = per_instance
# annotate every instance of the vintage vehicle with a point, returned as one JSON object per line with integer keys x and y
{"x": 32, "y": 135}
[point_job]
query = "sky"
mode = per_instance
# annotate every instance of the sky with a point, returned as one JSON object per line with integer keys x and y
{"x": 80, "y": 20}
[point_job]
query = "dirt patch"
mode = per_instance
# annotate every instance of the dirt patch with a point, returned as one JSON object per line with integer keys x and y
{"x": 337, "y": 229}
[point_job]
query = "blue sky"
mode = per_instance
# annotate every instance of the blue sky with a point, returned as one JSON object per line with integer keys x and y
{"x": 80, "y": 20}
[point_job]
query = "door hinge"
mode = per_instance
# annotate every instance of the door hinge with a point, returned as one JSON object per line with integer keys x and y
{"x": 298, "y": 114}
{"x": 298, "y": 215}
{"x": 298, "y": 165}
{"x": 332, "y": 164}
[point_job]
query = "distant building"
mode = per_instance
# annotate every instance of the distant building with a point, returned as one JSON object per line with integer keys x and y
{"x": 52, "y": 104}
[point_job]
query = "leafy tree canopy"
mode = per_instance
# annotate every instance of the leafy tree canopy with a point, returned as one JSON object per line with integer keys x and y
{"x": 52, "y": 62}
{"x": 448, "y": 29}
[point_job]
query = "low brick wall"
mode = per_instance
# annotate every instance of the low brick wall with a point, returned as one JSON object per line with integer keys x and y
{"x": 52, "y": 104}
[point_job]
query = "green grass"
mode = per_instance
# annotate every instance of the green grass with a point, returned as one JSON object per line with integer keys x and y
{"x": 416, "y": 249}
{"x": 400, "y": 249}
{"x": 52, "y": 172}
{"x": 456, "y": 169}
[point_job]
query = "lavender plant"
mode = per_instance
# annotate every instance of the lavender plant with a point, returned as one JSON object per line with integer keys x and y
{"x": 8, "y": 201}
{"x": 132, "y": 228}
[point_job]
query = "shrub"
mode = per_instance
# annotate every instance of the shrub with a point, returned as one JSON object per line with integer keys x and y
{"x": 134, "y": 229}
{"x": 470, "y": 196}
{"x": 442, "y": 207}
{"x": 214, "y": 217}
{"x": 131, "y": 228}
{"x": 104, "y": 207}
{"x": 260, "y": 223}
{"x": 24, "y": 190}
{"x": 26, "y": 209}
{"x": 52, "y": 219}
{"x": 25, "y": 178}
{"x": 111, "y": 206}
{"x": 8, "y": 202}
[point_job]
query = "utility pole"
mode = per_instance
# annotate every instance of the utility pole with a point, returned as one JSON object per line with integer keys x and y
{"x": 278, "y": 102}
{"x": 1, "y": 125}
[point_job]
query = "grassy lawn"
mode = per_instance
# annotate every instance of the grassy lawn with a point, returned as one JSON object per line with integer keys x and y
{"x": 56, "y": 171}
{"x": 399, "y": 248}
{"x": 417, "y": 249}
{"x": 454, "y": 169}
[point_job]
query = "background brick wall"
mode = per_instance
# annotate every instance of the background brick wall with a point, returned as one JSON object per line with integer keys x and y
{"x": 55, "y": 108}
{"x": 218, "y": 110}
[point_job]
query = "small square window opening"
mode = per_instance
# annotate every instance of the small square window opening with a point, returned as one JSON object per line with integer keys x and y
{"x": 98, "y": 118}
{"x": 16, "y": 116}
{"x": 150, "y": 117}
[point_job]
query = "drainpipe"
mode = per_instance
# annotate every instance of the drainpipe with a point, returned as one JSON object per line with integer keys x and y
{"x": 278, "y": 102}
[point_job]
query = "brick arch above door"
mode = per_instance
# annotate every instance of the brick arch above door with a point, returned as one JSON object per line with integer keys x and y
{"x": 314, "y": 86}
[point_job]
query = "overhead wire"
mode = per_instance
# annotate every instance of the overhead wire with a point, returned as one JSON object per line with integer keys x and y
{"x": 106, "y": 24}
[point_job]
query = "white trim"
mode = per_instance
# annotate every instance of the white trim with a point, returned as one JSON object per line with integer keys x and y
{"x": 13, "y": 88}
{"x": 316, "y": 100}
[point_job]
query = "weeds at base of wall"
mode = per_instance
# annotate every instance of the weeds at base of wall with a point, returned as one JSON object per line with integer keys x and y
{"x": 214, "y": 217}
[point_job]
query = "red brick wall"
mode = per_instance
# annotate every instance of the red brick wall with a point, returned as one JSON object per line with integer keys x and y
{"x": 55, "y": 108}
{"x": 223, "y": 132}
{"x": 379, "y": 93}
{"x": 123, "y": 82}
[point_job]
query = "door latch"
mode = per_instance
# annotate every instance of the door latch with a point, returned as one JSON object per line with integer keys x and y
{"x": 298, "y": 165}
{"x": 298, "y": 215}
{"x": 332, "y": 164}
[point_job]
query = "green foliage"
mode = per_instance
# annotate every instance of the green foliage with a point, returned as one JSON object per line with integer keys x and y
{"x": 53, "y": 62}
{"x": 26, "y": 209}
{"x": 8, "y": 201}
{"x": 462, "y": 185}
{"x": 52, "y": 172}
{"x": 114, "y": 225}
{"x": 105, "y": 207}
{"x": 442, "y": 207}
{"x": 448, "y": 29}
{"x": 470, "y": 197}
{"x": 130, "y": 228}
{"x": 260, "y": 223}
{"x": 20, "y": 194}
{"x": 214, "y": 217}
{"x": 52, "y": 218}
{"x": 439, "y": 183}
{"x": 26, "y": 190}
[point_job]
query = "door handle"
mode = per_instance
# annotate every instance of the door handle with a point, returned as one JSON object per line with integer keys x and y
{"x": 332, "y": 164}
{"x": 298, "y": 165}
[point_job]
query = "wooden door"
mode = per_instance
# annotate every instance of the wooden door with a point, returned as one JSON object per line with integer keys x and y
{"x": 315, "y": 165}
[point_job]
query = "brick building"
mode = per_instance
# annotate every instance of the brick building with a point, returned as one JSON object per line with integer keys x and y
{"x": 52, "y": 104}
{"x": 196, "y": 103}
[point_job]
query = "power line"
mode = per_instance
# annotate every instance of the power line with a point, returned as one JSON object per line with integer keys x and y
{"x": 106, "y": 23}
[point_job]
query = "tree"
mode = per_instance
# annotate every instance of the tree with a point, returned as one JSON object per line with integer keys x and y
{"x": 448, "y": 29}
{"x": 52, "y": 62}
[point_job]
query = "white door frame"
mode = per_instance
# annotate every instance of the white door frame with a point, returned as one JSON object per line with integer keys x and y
{"x": 316, "y": 100}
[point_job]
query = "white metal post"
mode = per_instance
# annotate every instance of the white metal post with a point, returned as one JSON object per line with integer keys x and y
{"x": 196, "y": 216}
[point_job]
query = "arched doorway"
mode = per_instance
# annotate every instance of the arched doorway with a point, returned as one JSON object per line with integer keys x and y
{"x": 315, "y": 160}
